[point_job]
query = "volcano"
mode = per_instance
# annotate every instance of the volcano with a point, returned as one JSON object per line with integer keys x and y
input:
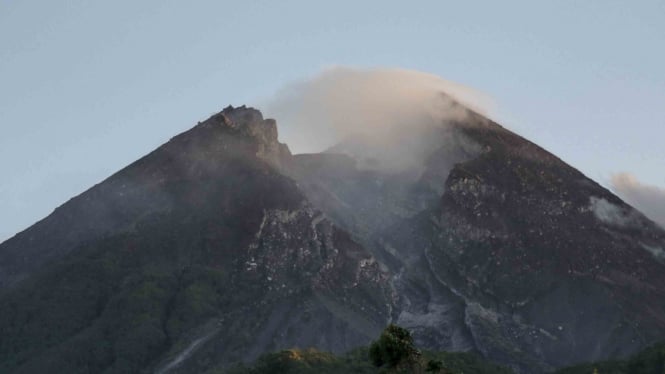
{"x": 221, "y": 245}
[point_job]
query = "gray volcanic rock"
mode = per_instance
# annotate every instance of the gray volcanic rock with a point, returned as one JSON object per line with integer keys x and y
{"x": 116, "y": 204}
{"x": 220, "y": 246}
{"x": 509, "y": 252}
{"x": 204, "y": 252}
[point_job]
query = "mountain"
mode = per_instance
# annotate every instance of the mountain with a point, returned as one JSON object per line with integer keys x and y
{"x": 499, "y": 246}
{"x": 201, "y": 241}
{"x": 221, "y": 245}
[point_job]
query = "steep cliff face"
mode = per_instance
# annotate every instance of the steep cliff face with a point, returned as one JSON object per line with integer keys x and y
{"x": 508, "y": 250}
{"x": 232, "y": 262}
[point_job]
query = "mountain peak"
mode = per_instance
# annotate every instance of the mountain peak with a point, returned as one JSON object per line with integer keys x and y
{"x": 482, "y": 241}
{"x": 242, "y": 116}
{"x": 250, "y": 122}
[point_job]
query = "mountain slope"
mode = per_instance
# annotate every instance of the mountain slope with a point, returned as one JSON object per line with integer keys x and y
{"x": 508, "y": 251}
{"x": 220, "y": 246}
{"x": 648, "y": 361}
{"x": 392, "y": 353}
{"x": 232, "y": 262}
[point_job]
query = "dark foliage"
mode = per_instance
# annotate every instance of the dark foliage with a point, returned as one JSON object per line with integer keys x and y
{"x": 395, "y": 346}
{"x": 649, "y": 361}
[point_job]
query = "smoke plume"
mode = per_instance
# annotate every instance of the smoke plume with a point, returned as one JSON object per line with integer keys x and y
{"x": 376, "y": 104}
{"x": 612, "y": 214}
{"x": 650, "y": 200}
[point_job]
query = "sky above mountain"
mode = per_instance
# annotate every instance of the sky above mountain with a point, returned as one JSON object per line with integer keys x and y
{"x": 88, "y": 87}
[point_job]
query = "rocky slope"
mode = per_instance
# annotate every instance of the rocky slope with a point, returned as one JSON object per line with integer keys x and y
{"x": 220, "y": 245}
{"x": 199, "y": 253}
{"x": 500, "y": 247}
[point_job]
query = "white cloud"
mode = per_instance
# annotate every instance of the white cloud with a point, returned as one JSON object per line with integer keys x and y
{"x": 378, "y": 103}
{"x": 648, "y": 199}
{"x": 612, "y": 214}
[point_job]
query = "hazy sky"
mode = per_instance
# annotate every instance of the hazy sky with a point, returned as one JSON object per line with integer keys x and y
{"x": 86, "y": 87}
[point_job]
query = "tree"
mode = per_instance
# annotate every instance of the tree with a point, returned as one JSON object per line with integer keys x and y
{"x": 394, "y": 347}
{"x": 434, "y": 366}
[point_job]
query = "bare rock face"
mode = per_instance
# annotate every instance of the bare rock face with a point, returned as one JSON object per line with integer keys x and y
{"x": 220, "y": 246}
{"x": 250, "y": 122}
{"x": 117, "y": 204}
{"x": 205, "y": 253}
{"x": 509, "y": 252}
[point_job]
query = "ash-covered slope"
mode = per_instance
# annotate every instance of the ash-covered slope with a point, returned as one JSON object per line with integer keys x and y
{"x": 200, "y": 253}
{"x": 499, "y": 246}
{"x": 220, "y": 245}
{"x": 143, "y": 188}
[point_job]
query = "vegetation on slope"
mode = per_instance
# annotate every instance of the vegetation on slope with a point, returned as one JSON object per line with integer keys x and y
{"x": 107, "y": 309}
{"x": 393, "y": 353}
{"x": 649, "y": 361}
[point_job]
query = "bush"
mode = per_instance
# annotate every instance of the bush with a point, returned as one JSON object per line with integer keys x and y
{"x": 434, "y": 366}
{"x": 394, "y": 347}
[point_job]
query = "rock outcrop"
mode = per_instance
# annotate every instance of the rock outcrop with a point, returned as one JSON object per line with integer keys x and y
{"x": 500, "y": 247}
{"x": 203, "y": 243}
{"x": 220, "y": 246}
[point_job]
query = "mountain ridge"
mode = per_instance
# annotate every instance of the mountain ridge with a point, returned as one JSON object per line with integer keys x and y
{"x": 237, "y": 246}
{"x": 485, "y": 243}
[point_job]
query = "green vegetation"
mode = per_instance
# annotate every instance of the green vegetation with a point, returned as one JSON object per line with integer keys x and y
{"x": 394, "y": 348}
{"x": 393, "y": 353}
{"x": 649, "y": 361}
{"x": 308, "y": 361}
{"x": 113, "y": 306}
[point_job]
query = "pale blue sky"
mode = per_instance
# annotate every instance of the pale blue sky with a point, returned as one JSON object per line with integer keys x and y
{"x": 86, "y": 87}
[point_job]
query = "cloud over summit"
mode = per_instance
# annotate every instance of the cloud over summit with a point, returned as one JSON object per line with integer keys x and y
{"x": 316, "y": 113}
